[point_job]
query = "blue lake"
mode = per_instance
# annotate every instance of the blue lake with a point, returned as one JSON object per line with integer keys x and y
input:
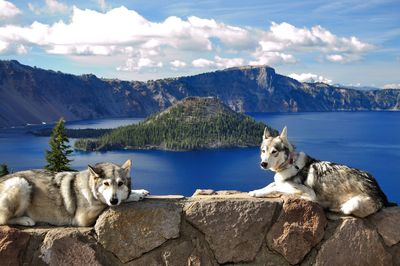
{"x": 365, "y": 140}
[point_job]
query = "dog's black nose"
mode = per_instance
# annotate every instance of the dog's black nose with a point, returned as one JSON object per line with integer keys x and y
{"x": 264, "y": 165}
{"x": 114, "y": 201}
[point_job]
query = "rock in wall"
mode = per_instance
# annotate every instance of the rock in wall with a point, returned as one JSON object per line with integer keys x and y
{"x": 216, "y": 229}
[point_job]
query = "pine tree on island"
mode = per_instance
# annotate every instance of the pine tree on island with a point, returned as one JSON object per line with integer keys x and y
{"x": 4, "y": 170}
{"x": 57, "y": 157}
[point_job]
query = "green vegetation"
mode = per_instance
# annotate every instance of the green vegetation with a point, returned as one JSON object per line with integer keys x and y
{"x": 194, "y": 123}
{"x": 3, "y": 170}
{"x": 57, "y": 157}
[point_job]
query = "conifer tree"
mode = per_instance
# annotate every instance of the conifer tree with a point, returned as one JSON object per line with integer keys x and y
{"x": 3, "y": 170}
{"x": 57, "y": 156}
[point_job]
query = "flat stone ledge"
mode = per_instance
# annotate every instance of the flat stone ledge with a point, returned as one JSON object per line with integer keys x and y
{"x": 165, "y": 197}
{"x": 209, "y": 228}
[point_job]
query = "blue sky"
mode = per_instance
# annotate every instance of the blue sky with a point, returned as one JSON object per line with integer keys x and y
{"x": 348, "y": 42}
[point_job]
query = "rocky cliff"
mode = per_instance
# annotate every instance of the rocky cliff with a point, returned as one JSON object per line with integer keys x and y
{"x": 218, "y": 229}
{"x": 32, "y": 95}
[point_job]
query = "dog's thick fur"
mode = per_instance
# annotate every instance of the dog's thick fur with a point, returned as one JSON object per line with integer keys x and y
{"x": 336, "y": 187}
{"x": 66, "y": 198}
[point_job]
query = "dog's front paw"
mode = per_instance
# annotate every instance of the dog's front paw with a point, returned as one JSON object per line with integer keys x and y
{"x": 24, "y": 220}
{"x": 265, "y": 193}
{"x": 142, "y": 193}
{"x": 137, "y": 195}
{"x": 252, "y": 193}
{"x": 256, "y": 193}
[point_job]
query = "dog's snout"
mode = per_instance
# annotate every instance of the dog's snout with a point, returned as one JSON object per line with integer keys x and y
{"x": 264, "y": 165}
{"x": 114, "y": 201}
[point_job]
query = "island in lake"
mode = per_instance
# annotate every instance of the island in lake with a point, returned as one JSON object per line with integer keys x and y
{"x": 193, "y": 123}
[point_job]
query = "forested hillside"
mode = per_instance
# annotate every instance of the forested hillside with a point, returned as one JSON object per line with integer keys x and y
{"x": 194, "y": 123}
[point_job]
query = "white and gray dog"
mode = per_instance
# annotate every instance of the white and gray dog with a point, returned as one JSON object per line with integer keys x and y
{"x": 336, "y": 187}
{"x": 66, "y": 198}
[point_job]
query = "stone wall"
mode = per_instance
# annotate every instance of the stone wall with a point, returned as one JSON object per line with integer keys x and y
{"x": 217, "y": 229}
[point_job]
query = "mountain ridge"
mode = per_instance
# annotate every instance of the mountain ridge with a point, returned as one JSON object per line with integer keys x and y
{"x": 33, "y": 95}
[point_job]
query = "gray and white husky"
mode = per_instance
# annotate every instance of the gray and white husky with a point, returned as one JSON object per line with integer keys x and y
{"x": 66, "y": 198}
{"x": 336, "y": 187}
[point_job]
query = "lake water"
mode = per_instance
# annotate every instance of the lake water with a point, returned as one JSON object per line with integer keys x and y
{"x": 365, "y": 140}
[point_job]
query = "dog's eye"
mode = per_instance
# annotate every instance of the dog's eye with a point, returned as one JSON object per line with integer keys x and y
{"x": 263, "y": 151}
{"x": 120, "y": 183}
{"x": 106, "y": 184}
{"x": 274, "y": 151}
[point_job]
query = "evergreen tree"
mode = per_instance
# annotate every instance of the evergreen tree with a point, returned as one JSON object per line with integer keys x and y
{"x": 57, "y": 157}
{"x": 3, "y": 170}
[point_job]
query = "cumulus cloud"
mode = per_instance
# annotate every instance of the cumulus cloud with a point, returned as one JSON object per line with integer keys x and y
{"x": 218, "y": 62}
{"x": 133, "y": 65}
{"x": 271, "y": 58}
{"x": 228, "y": 62}
{"x": 54, "y": 6}
{"x": 288, "y": 38}
{"x": 51, "y": 7}
{"x": 8, "y": 9}
{"x": 310, "y": 77}
{"x": 202, "y": 43}
{"x": 285, "y": 35}
{"x": 201, "y": 62}
{"x": 90, "y": 28}
{"x": 343, "y": 58}
{"x": 177, "y": 63}
{"x": 392, "y": 86}
{"x": 103, "y": 5}
{"x": 335, "y": 58}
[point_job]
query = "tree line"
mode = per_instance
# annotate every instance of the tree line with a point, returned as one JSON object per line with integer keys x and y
{"x": 177, "y": 132}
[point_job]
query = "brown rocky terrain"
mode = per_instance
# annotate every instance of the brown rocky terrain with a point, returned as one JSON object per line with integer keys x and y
{"x": 211, "y": 228}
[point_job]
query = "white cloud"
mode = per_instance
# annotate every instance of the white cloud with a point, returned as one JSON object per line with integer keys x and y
{"x": 218, "y": 62}
{"x": 51, "y": 7}
{"x": 6, "y": 48}
{"x": 272, "y": 58}
{"x": 201, "y": 62}
{"x": 310, "y": 77}
{"x": 3, "y": 46}
{"x": 21, "y": 49}
{"x": 288, "y": 38}
{"x": 177, "y": 63}
{"x": 202, "y": 43}
{"x": 88, "y": 27}
{"x": 343, "y": 58}
{"x": 285, "y": 35}
{"x": 335, "y": 58}
{"x": 103, "y": 5}
{"x": 8, "y": 9}
{"x": 54, "y": 6}
{"x": 228, "y": 62}
{"x": 133, "y": 64}
{"x": 12, "y": 37}
{"x": 392, "y": 86}
{"x": 33, "y": 8}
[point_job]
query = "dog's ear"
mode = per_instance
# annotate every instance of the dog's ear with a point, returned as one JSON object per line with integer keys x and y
{"x": 283, "y": 137}
{"x": 267, "y": 134}
{"x": 283, "y": 134}
{"x": 127, "y": 166}
{"x": 93, "y": 172}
